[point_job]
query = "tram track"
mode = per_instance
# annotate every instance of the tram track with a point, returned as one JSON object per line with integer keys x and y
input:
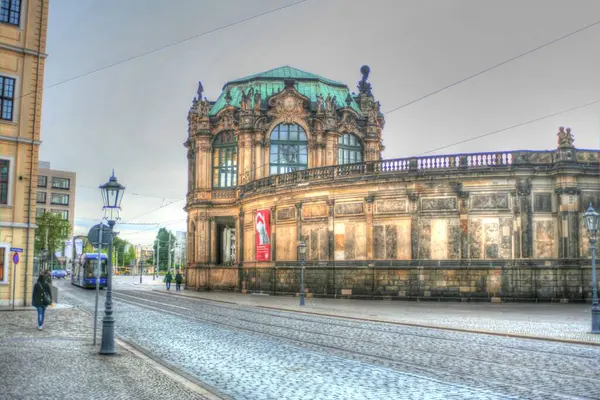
{"x": 352, "y": 348}
{"x": 372, "y": 327}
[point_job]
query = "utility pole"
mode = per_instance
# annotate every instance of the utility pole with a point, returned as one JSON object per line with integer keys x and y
{"x": 157, "y": 256}
{"x": 169, "y": 254}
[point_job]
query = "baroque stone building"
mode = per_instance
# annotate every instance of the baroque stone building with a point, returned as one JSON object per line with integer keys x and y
{"x": 285, "y": 156}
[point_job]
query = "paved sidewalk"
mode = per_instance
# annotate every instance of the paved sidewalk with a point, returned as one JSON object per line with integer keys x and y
{"x": 61, "y": 363}
{"x": 561, "y": 322}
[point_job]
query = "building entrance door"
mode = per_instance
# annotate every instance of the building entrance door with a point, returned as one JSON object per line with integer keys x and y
{"x": 225, "y": 244}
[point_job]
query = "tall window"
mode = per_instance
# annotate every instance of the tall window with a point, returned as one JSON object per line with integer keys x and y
{"x": 4, "y": 164}
{"x": 225, "y": 160}
{"x": 64, "y": 214}
{"x": 7, "y": 97}
{"x": 10, "y": 11}
{"x": 40, "y": 198}
{"x": 42, "y": 181}
{"x": 61, "y": 183}
{"x": 60, "y": 199}
{"x": 288, "y": 149}
{"x": 349, "y": 149}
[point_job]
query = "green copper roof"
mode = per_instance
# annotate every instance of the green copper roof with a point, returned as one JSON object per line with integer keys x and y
{"x": 286, "y": 72}
{"x": 272, "y": 81}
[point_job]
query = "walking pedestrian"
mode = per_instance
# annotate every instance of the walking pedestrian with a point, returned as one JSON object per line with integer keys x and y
{"x": 168, "y": 279}
{"x": 41, "y": 298}
{"x": 178, "y": 280}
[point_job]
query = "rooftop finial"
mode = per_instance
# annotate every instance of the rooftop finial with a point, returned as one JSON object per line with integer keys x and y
{"x": 364, "y": 87}
{"x": 200, "y": 90}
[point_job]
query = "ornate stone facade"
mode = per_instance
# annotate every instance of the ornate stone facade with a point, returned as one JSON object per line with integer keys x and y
{"x": 483, "y": 225}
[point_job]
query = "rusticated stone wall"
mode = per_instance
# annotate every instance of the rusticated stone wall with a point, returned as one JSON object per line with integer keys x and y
{"x": 520, "y": 283}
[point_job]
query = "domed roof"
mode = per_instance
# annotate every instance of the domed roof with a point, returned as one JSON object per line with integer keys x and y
{"x": 272, "y": 81}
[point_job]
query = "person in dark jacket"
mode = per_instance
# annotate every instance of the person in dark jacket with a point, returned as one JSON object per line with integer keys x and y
{"x": 42, "y": 298}
{"x": 168, "y": 279}
{"x": 178, "y": 280}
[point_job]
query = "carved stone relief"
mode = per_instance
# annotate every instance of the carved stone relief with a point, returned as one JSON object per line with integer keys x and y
{"x": 314, "y": 210}
{"x": 349, "y": 208}
{"x": 492, "y": 201}
{"x": 287, "y": 213}
{"x": 438, "y": 204}
{"x": 545, "y": 239}
{"x": 390, "y": 206}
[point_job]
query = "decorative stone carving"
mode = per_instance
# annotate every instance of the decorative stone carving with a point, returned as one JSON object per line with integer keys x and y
{"x": 348, "y": 100}
{"x": 330, "y": 205}
{"x": 348, "y": 122}
{"x": 390, "y": 206}
{"x": 330, "y": 105}
{"x": 349, "y": 208}
{"x": 285, "y": 214}
{"x": 565, "y": 138}
{"x": 438, "y": 204}
{"x": 228, "y": 97}
{"x": 364, "y": 87}
{"x": 257, "y": 101}
{"x": 492, "y": 201}
{"x": 288, "y": 105}
{"x": 524, "y": 187}
{"x": 369, "y": 200}
{"x": 320, "y": 104}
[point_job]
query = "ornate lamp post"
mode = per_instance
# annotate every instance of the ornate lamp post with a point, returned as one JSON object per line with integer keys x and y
{"x": 591, "y": 219}
{"x": 302, "y": 257}
{"x": 112, "y": 195}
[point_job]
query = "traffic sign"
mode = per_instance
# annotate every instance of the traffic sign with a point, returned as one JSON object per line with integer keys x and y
{"x": 16, "y": 249}
{"x": 16, "y": 258}
{"x": 94, "y": 235}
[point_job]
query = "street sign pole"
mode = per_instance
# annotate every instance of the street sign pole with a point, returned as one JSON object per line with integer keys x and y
{"x": 15, "y": 262}
{"x": 99, "y": 261}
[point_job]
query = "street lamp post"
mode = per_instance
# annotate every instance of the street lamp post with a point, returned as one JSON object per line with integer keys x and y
{"x": 112, "y": 195}
{"x": 591, "y": 219}
{"x": 302, "y": 256}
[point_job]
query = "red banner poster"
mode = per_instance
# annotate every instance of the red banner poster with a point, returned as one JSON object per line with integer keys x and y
{"x": 262, "y": 224}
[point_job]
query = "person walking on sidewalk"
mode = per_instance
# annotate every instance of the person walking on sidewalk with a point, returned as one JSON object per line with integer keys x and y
{"x": 42, "y": 298}
{"x": 168, "y": 279}
{"x": 178, "y": 280}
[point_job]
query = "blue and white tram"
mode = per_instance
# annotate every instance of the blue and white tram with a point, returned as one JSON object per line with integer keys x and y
{"x": 84, "y": 272}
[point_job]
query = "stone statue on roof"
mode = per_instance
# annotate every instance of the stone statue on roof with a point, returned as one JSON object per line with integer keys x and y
{"x": 257, "y": 100}
{"x": 364, "y": 87}
{"x": 204, "y": 107}
{"x": 200, "y": 90}
{"x": 565, "y": 138}
{"x": 319, "y": 103}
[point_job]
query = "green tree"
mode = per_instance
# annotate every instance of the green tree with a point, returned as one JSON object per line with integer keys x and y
{"x": 51, "y": 233}
{"x": 164, "y": 236}
{"x": 130, "y": 255}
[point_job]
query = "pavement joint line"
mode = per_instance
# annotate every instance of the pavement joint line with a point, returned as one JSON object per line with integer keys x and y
{"x": 429, "y": 326}
{"x": 173, "y": 373}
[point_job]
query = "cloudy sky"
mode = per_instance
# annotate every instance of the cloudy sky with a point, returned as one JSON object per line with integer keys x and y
{"x": 132, "y": 116}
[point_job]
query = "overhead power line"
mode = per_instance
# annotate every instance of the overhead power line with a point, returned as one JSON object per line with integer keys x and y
{"x": 178, "y": 42}
{"x": 493, "y": 67}
{"x": 510, "y": 127}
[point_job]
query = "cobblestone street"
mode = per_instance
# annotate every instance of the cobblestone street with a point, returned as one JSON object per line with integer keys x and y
{"x": 60, "y": 362}
{"x": 251, "y": 353}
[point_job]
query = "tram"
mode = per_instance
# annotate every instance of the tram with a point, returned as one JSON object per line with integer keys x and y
{"x": 84, "y": 271}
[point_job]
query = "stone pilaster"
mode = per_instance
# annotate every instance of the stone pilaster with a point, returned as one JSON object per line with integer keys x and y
{"x": 298, "y": 221}
{"x": 212, "y": 241}
{"x": 331, "y": 228}
{"x": 240, "y": 232}
{"x": 273, "y": 233}
{"x": 369, "y": 200}
{"x": 526, "y": 214}
{"x": 413, "y": 208}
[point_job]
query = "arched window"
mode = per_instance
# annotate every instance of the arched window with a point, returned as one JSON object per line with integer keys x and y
{"x": 288, "y": 149}
{"x": 225, "y": 160}
{"x": 349, "y": 149}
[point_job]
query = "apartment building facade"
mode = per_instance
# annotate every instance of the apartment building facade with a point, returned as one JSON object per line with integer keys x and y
{"x": 56, "y": 193}
{"x": 23, "y": 26}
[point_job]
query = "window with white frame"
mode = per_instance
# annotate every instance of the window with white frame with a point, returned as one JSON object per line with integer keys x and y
{"x": 4, "y": 178}
{"x": 7, "y": 98}
{"x": 61, "y": 183}
{"x": 10, "y": 12}
{"x": 3, "y": 262}
{"x": 64, "y": 214}
{"x": 60, "y": 199}
{"x": 40, "y": 198}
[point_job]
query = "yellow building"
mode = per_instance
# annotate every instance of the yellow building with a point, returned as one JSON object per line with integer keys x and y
{"x": 23, "y": 26}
